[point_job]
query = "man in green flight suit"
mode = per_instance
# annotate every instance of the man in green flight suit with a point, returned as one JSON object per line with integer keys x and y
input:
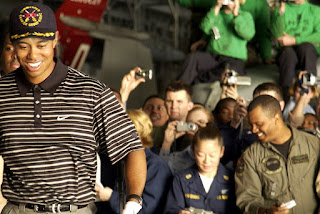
{"x": 282, "y": 166}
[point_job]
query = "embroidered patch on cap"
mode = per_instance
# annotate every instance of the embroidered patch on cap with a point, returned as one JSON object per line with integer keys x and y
{"x": 30, "y": 16}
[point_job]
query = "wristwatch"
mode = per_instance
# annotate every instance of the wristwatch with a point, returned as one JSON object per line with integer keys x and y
{"x": 134, "y": 196}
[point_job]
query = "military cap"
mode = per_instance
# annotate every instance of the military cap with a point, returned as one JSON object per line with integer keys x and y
{"x": 32, "y": 19}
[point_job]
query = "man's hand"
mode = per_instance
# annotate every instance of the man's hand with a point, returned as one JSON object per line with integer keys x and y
{"x": 282, "y": 8}
{"x": 200, "y": 44}
{"x": 240, "y": 111}
{"x": 278, "y": 210}
{"x": 129, "y": 83}
{"x": 103, "y": 193}
{"x": 236, "y": 8}
{"x": 131, "y": 207}
{"x": 217, "y": 7}
{"x": 275, "y": 210}
{"x": 287, "y": 40}
{"x": 170, "y": 134}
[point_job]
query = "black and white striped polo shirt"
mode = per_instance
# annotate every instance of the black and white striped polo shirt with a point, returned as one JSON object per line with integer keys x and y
{"x": 49, "y": 135}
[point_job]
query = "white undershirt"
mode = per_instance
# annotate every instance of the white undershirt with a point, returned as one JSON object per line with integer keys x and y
{"x": 206, "y": 182}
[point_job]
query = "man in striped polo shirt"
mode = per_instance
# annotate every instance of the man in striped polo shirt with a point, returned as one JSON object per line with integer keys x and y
{"x": 53, "y": 119}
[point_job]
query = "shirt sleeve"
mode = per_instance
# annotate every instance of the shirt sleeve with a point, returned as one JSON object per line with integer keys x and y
{"x": 175, "y": 199}
{"x": 244, "y": 25}
{"x": 248, "y": 185}
{"x": 277, "y": 24}
{"x": 114, "y": 131}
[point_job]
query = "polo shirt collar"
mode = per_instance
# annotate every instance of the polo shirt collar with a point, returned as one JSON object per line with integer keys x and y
{"x": 50, "y": 84}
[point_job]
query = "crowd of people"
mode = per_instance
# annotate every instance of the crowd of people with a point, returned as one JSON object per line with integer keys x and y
{"x": 172, "y": 155}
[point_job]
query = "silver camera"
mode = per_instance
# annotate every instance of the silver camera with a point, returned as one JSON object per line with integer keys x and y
{"x": 146, "y": 74}
{"x": 227, "y": 2}
{"x": 198, "y": 211}
{"x": 185, "y": 126}
{"x": 234, "y": 79}
{"x": 309, "y": 79}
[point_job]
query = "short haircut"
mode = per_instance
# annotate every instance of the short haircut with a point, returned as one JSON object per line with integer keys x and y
{"x": 210, "y": 132}
{"x": 270, "y": 105}
{"x": 269, "y": 86}
{"x": 179, "y": 85}
{"x": 143, "y": 125}
{"x": 205, "y": 110}
{"x": 221, "y": 104}
{"x": 151, "y": 97}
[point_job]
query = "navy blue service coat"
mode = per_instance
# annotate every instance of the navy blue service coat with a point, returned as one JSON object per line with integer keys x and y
{"x": 188, "y": 191}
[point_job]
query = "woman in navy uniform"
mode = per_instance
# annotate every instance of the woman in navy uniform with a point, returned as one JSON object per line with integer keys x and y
{"x": 208, "y": 185}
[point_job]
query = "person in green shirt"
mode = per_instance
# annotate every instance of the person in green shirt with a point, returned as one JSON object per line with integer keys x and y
{"x": 260, "y": 11}
{"x": 296, "y": 27}
{"x": 227, "y": 29}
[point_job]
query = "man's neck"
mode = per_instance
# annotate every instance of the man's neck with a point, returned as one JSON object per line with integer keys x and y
{"x": 283, "y": 137}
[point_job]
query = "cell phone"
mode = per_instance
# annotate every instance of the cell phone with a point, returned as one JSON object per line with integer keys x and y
{"x": 289, "y": 204}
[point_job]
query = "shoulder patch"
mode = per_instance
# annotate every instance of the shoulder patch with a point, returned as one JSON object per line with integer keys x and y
{"x": 226, "y": 177}
{"x": 240, "y": 167}
{"x": 188, "y": 176}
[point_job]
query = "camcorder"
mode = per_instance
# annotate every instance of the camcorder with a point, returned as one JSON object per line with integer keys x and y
{"x": 227, "y": 2}
{"x": 234, "y": 79}
{"x": 146, "y": 74}
{"x": 309, "y": 79}
{"x": 185, "y": 126}
{"x": 198, "y": 211}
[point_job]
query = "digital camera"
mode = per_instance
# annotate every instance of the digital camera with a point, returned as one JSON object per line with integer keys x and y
{"x": 185, "y": 126}
{"x": 198, "y": 211}
{"x": 234, "y": 79}
{"x": 146, "y": 74}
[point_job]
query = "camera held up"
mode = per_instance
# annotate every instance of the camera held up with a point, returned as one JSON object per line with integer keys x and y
{"x": 185, "y": 126}
{"x": 146, "y": 74}
{"x": 234, "y": 79}
{"x": 309, "y": 79}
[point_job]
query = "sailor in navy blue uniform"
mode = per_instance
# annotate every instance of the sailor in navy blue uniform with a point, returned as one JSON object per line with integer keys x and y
{"x": 208, "y": 185}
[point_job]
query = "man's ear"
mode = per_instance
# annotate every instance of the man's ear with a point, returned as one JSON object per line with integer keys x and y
{"x": 282, "y": 104}
{"x": 277, "y": 118}
{"x": 190, "y": 105}
{"x": 55, "y": 41}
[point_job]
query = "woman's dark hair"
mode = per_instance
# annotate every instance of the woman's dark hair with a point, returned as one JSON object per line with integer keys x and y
{"x": 210, "y": 132}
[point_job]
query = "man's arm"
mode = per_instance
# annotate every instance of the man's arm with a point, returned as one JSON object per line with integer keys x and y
{"x": 243, "y": 24}
{"x": 3, "y": 201}
{"x": 248, "y": 184}
{"x": 278, "y": 23}
{"x": 135, "y": 172}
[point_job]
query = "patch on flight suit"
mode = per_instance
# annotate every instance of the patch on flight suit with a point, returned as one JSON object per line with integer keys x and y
{"x": 240, "y": 167}
{"x": 272, "y": 164}
{"x": 300, "y": 159}
{"x": 188, "y": 176}
{"x": 192, "y": 196}
{"x": 226, "y": 177}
